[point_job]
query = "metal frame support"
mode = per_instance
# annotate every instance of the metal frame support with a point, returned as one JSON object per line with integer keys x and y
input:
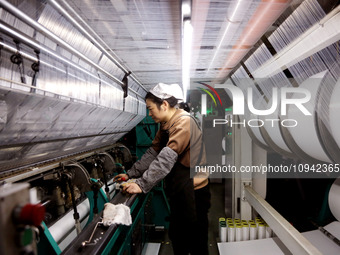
{"x": 292, "y": 238}
{"x": 125, "y": 84}
{"x": 242, "y": 156}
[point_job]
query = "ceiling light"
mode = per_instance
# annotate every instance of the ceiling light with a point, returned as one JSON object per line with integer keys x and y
{"x": 186, "y": 10}
{"x": 230, "y": 21}
{"x": 186, "y": 56}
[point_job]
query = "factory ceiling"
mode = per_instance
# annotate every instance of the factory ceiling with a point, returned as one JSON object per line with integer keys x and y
{"x": 152, "y": 39}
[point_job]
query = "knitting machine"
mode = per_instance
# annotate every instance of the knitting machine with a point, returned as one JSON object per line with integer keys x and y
{"x": 57, "y": 207}
{"x": 67, "y": 100}
{"x": 64, "y": 105}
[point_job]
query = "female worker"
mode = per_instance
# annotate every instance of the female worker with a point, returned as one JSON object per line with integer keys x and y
{"x": 176, "y": 147}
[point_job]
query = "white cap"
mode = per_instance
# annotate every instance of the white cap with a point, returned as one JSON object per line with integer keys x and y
{"x": 164, "y": 91}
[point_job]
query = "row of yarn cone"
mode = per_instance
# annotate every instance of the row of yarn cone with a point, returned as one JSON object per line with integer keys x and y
{"x": 235, "y": 230}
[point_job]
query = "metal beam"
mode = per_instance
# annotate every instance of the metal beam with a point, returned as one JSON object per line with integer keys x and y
{"x": 321, "y": 35}
{"x": 292, "y": 238}
{"x": 53, "y": 163}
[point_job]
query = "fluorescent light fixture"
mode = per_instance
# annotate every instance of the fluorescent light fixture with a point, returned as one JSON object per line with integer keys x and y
{"x": 204, "y": 104}
{"x": 265, "y": 14}
{"x": 186, "y": 56}
{"x": 230, "y": 21}
{"x": 186, "y": 9}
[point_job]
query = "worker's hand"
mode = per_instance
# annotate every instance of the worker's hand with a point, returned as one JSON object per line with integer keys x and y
{"x": 121, "y": 177}
{"x": 132, "y": 188}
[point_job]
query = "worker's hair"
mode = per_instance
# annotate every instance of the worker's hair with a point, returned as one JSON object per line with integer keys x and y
{"x": 158, "y": 101}
{"x": 184, "y": 106}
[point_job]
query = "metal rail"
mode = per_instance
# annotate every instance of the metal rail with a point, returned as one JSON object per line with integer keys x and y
{"x": 291, "y": 238}
{"x": 45, "y": 166}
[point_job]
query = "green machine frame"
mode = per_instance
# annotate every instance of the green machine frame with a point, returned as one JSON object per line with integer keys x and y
{"x": 126, "y": 239}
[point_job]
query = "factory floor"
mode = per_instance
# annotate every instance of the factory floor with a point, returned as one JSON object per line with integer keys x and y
{"x": 216, "y": 211}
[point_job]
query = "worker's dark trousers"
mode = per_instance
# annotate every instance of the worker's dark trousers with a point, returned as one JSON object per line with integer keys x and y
{"x": 191, "y": 237}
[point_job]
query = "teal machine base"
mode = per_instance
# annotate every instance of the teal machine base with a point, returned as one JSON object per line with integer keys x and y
{"x": 147, "y": 211}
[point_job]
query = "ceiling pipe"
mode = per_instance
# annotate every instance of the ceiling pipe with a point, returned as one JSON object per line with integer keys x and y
{"x": 187, "y": 33}
{"x": 200, "y": 10}
{"x": 234, "y": 19}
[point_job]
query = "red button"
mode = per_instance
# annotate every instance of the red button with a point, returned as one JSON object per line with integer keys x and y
{"x": 32, "y": 214}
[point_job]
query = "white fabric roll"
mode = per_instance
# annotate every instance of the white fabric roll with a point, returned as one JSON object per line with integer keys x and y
{"x": 334, "y": 107}
{"x": 273, "y": 128}
{"x": 306, "y": 127}
{"x": 334, "y": 199}
{"x": 67, "y": 221}
{"x": 249, "y": 116}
